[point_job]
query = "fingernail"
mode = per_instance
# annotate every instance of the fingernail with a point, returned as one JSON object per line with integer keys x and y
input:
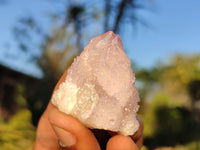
{"x": 66, "y": 139}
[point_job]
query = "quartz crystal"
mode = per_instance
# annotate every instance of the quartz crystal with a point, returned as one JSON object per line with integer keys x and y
{"x": 99, "y": 88}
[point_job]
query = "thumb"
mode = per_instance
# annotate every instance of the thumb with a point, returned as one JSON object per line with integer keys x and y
{"x": 72, "y": 135}
{"x": 120, "y": 142}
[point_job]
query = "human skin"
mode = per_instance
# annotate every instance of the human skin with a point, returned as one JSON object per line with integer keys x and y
{"x": 59, "y": 131}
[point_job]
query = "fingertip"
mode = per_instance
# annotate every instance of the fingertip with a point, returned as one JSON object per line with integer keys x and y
{"x": 68, "y": 127}
{"x": 120, "y": 142}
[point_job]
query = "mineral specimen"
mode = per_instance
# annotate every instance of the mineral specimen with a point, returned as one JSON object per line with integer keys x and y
{"x": 99, "y": 88}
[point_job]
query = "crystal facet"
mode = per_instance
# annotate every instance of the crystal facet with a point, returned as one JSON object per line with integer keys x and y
{"x": 99, "y": 88}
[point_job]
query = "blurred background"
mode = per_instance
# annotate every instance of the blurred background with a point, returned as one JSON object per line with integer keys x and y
{"x": 39, "y": 40}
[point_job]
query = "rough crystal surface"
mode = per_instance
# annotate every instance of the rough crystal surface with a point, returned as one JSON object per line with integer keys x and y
{"x": 99, "y": 88}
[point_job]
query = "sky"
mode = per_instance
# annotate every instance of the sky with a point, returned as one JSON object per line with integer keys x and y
{"x": 173, "y": 27}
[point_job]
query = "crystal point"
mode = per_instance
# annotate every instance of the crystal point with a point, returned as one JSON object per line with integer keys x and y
{"x": 99, "y": 88}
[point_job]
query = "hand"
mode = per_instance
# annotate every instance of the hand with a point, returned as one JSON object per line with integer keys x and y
{"x": 56, "y": 131}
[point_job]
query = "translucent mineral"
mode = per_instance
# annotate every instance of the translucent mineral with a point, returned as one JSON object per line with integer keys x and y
{"x": 99, "y": 88}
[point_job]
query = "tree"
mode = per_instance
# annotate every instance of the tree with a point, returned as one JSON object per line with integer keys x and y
{"x": 72, "y": 31}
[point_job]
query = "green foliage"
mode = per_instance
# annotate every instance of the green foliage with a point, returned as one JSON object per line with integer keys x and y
{"x": 149, "y": 116}
{"x": 167, "y": 94}
{"x": 18, "y": 133}
{"x": 190, "y": 146}
{"x": 182, "y": 70}
{"x": 163, "y": 99}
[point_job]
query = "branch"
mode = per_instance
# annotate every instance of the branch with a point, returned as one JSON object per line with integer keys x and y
{"x": 122, "y": 6}
{"x": 107, "y": 12}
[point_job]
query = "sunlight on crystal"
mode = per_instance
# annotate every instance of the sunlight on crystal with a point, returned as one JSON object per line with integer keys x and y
{"x": 99, "y": 89}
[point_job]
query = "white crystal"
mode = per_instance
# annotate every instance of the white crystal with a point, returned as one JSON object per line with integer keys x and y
{"x": 99, "y": 88}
